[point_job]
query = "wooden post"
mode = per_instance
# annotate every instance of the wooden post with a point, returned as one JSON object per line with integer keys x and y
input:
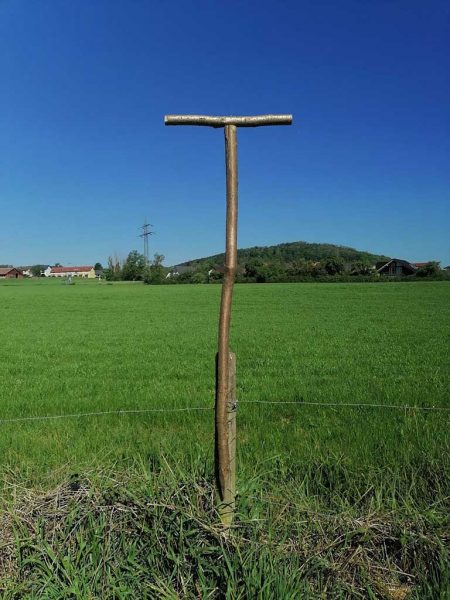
{"x": 223, "y": 467}
{"x": 227, "y": 487}
{"x": 225, "y": 414}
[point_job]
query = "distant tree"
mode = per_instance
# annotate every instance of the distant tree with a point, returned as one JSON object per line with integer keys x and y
{"x": 214, "y": 274}
{"x": 185, "y": 277}
{"x": 98, "y": 266}
{"x": 36, "y": 270}
{"x": 299, "y": 268}
{"x": 334, "y": 266}
{"x": 114, "y": 269}
{"x": 431, "y": 269}
{"x": 57, "y": 264}
{"x": 270, "y": 271}
{"x": 362, "y": 267}
{"x": 199, "y": 277}
{"x": 134, "y": 266}
{"x": 155, "y": 272}
{"x": 251, "y": 267}
{"x": 317, "y": 269}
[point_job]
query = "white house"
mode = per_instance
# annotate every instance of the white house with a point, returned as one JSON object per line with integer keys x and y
{"x": 87, "y": 272}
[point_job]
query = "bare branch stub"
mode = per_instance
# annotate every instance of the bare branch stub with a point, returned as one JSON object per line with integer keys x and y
{"x": 210, "y": 121}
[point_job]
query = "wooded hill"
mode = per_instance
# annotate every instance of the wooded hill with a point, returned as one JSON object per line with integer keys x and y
{"x": 294, "y": 261}
{"x": 292, "y": 252}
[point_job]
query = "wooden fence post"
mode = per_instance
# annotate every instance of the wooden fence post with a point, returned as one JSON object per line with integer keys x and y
{"x": 227, "y": 493}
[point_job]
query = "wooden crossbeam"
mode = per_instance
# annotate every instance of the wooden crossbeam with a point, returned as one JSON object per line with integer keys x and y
{"x": 208, "y": 121}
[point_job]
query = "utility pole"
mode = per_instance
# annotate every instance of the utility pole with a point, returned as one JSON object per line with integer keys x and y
{"x": 145, "y": 233}
{"x": 226, "y": 403}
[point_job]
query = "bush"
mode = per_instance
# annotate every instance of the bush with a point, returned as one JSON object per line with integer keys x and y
{"x": 431, "y": 269}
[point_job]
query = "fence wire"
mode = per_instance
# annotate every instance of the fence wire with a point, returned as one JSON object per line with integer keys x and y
{"x": 298, "y": 404}
{"x": 104, "y": 412}
{"x": 347, "y": 404}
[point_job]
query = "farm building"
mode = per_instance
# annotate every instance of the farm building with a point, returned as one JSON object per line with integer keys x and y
{"x": 70, "y": 272}
{"x": 396, "y": 267}
{"x": 179, "y": 270}
{"x": 10, "y": 273}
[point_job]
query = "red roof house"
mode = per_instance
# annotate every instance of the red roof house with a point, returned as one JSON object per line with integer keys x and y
{"x": 10, "y": 273}
{"x": 86, "y": 271}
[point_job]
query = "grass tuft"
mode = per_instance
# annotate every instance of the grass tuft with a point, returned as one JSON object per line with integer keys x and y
{"x": 148, "y": 535}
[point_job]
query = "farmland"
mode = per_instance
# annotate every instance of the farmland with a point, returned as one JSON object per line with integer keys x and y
{"x": 98, "y": 347}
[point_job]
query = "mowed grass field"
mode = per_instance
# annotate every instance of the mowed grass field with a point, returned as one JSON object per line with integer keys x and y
{"x": 94, "y": 347}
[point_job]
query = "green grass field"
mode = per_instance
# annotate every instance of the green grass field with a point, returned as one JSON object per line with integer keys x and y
{"x": 99, "y": 347}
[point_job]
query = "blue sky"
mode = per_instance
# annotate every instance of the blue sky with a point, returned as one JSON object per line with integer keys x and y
{"x": 85, "y": 156}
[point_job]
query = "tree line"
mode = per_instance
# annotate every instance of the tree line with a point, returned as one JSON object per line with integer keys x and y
{"x": 136, "y": 268}
{"x": 256, "y": 269}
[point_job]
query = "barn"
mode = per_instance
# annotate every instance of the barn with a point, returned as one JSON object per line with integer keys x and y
{"x": 396, "y": 267}
{"x": 10, "y": 273}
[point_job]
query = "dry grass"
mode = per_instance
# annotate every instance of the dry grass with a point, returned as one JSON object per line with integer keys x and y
{"x": 112, "y": 538}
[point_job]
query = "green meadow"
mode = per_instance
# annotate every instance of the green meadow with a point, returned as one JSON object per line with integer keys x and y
{"x": 340, "y": 501}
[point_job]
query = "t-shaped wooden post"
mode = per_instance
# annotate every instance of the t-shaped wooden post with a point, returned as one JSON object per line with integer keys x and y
{"x": 225, "y": 414}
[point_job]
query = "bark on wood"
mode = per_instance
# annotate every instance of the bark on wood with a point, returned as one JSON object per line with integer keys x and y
{"x": 223, "y": 361}
{"x": 227, "y": 503}
{"x": 210, "y": 121}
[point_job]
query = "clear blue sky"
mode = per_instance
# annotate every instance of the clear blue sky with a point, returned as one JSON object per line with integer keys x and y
{"x": 85, "y": 157}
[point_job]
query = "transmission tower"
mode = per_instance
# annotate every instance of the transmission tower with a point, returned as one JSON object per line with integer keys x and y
{"x": 145, "y": 233}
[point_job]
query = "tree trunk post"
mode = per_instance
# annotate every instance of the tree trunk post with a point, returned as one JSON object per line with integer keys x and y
{"x": 225, "y": 471}
{"x": 227, "y": 489}
{"x": 226, "y": 403}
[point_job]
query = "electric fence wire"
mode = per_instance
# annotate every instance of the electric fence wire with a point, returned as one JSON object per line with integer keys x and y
{"x": 210, "y": 408}
{"x": 348, "y": 404}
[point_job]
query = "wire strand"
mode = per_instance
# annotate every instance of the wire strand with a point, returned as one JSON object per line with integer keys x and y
{"x": 201, "y": 408}
{"x": 105, "y": 412}
{"x": 346, "y": 404}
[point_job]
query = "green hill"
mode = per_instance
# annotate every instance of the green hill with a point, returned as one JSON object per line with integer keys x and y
{"x": 293, "y": 252}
